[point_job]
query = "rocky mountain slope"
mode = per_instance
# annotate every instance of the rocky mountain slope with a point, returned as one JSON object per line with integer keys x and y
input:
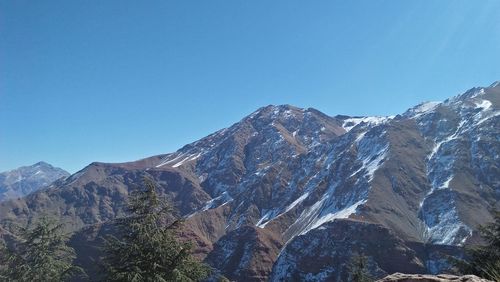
{"x": 24, "y": 180}
{"x": 291, "y": 194}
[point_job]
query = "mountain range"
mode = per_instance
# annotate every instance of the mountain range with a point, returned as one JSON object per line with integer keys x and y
{"x": 27, "y": 179}
{"x": 291, "y": 194}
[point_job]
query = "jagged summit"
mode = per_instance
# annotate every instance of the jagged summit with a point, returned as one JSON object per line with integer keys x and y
{"x": 27, "y": 179}
{"x": 283, "y": 112}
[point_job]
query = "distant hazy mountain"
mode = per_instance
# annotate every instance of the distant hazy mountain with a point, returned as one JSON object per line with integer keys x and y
{"x": 290, "y": 194}
{"x": 24, "y": 180}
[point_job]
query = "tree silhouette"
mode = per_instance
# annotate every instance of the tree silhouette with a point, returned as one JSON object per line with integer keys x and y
{"x": 358, "y": 269}
{"x": 484, "y": 260}
{"x": 146, "y": 248}
{"x": 41, "y": 254}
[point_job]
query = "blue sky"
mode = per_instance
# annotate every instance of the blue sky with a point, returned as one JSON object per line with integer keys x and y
{"x": 112, "y": 81}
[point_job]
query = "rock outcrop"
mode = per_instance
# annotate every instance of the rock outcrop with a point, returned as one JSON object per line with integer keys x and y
{"x": 400, "y": 277}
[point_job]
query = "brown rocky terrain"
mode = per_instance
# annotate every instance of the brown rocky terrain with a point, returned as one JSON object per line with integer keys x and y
{"x": 290, "y": 194}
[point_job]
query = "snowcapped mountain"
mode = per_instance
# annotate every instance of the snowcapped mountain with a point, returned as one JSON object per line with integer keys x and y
{"x": 27, "y": 179}
{"x": 291, "y": 194}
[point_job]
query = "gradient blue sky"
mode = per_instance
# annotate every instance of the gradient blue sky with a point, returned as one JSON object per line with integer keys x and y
{"x": 113, "y": 81}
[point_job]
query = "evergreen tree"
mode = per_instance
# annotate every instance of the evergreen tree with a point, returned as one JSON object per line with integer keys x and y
{"x": 146, "y": 248}
{"x": 40, "y": 255}
{"x": 359, "y": 270}
{"x": 484, "y": 260}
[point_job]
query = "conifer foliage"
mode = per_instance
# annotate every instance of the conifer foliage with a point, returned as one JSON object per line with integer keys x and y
{"x": 484, "y": 260}
{"x": 146, "y": 248}
{"x": 41, "y": 254}
{"x": 359, "y": 269}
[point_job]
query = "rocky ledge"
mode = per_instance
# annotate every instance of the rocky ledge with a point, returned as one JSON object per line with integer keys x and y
{"x": 400, "y": 277}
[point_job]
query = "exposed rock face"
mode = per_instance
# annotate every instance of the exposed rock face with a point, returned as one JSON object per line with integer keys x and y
{"x": 399, "y": 277}
{"x": 27, "y": 179}
{"x": 291, "y": 194}
{"x": 325, "y": 253}
{"x": 246, "y": 254}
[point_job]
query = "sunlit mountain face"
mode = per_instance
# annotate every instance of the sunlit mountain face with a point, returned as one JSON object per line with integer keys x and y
{"x": 291, "y": 194}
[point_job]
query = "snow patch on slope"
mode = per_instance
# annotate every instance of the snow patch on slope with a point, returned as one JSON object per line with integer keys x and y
{"x": 443, "y": 224}
{"x": 486, "y": 112}
{"x": 187, "y": 159}
{"x": 483, "y": 104}
{"x": 274, "y": 213}
{"x": 331, "y": 216}
{"x": 266, "y": 218}
{"x": 422, "y": 109}
{"x": 179, "y": 159}
{"x": 219, "y": 201}
{"x": 350, "y": 123}
{"x": 372, "y": 151}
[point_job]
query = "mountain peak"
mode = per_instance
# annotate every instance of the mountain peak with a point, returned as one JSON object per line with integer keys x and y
{"x": 274, "y": 111}
{"x": 476, "y": 92}
{"x": 42, "y": 164}
{"x": 26, "y": 179}
{"x": 422, "y": 109}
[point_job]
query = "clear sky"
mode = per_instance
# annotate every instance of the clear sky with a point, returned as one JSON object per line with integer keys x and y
{"x": 112, "y": 81}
